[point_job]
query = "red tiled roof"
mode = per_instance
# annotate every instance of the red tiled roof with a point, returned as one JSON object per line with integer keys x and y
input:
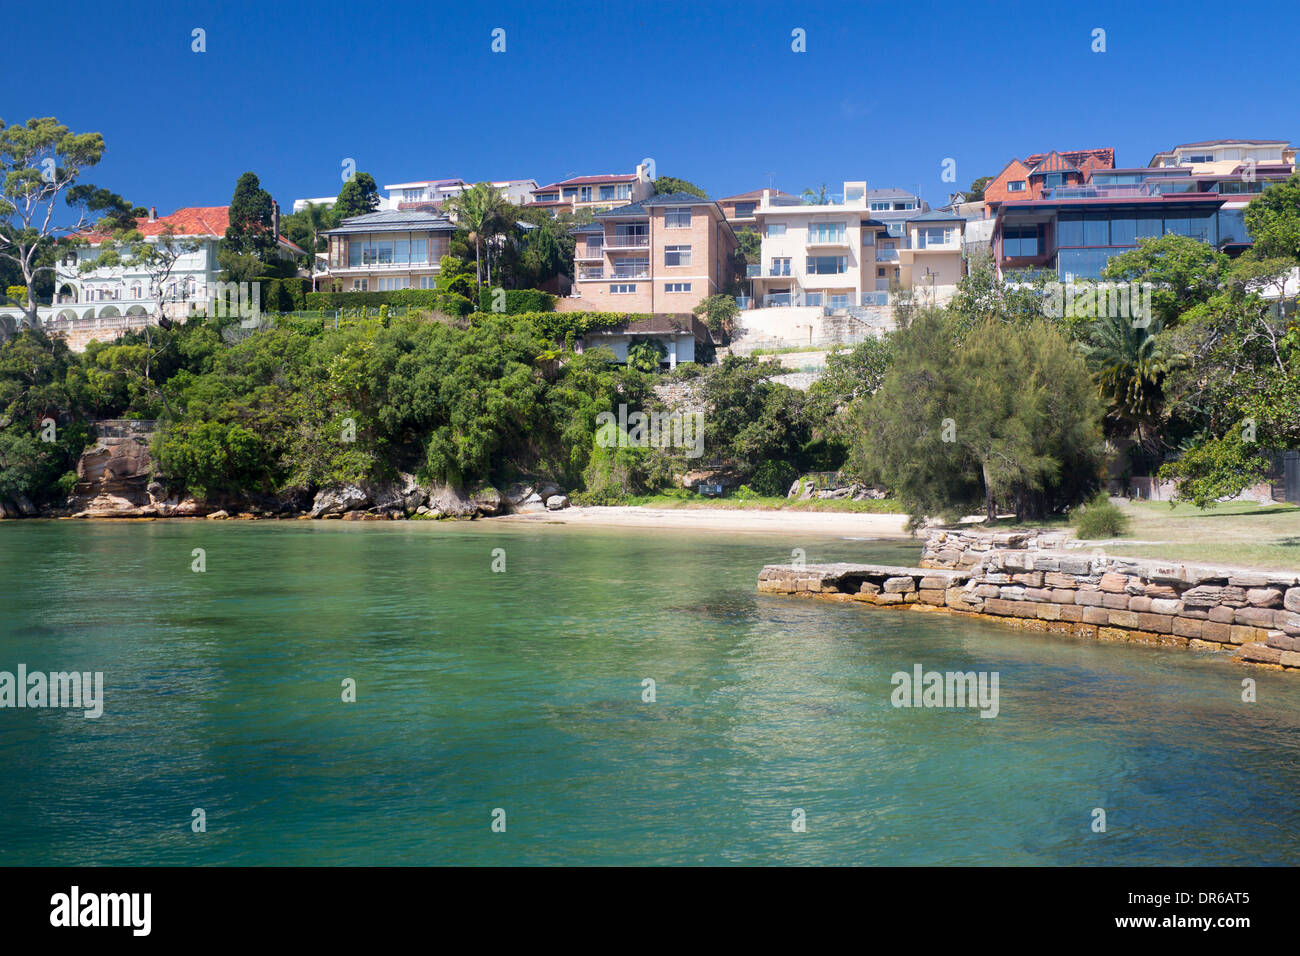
{"x": 212, "y": 221}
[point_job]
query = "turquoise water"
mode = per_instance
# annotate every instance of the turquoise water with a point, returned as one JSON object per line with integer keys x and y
{"x": 522, "y": 691}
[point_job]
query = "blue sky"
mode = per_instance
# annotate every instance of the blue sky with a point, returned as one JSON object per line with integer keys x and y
{"x": 711, "y": 91}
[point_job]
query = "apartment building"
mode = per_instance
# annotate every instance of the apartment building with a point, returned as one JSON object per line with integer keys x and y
{"x": 596, "y": 193}
{"x": 664, "y": 253}
{"x": 1074, "y": 230}
{"x": 821, "y": 254}
{"x": 383, "y": 251}
{"x": 423, "y": 196}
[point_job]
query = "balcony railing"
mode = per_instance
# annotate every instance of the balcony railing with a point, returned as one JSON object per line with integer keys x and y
{"x": 628, "y": 242}
{"x": 921, "y": 243}
{"x": 775, "y": 299}
{"x": 591, "y": 252}
{"x": 886, "y": 255}
{"x": 591, "y": 273}
{"x": 753, "y": 271}
{"x": 385, "y": 266}
{"x": 745, "y": 301}
{"x": 630, "y": 274}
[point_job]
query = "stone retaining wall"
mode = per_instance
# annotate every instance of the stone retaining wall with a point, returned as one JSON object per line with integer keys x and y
{"x": 1255, "y": 614}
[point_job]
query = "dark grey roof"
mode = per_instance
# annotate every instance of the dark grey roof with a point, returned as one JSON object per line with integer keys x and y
{"x": 393, "y": 220}
{"x": 638, "y": 209}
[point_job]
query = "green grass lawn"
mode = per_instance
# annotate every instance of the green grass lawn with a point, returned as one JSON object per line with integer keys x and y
{"x": 1234, "y": 533}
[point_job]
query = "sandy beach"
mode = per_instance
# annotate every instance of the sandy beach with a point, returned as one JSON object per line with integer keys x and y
{"x": 723, "y": 519}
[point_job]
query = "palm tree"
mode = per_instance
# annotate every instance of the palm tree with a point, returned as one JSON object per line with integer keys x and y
{"x": 1130, "y": 363}
{"x": 816, "y": 197}
{"x": 481, "y": 209}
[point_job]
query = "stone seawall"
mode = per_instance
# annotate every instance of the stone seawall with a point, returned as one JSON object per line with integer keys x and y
{"x": 1254, "y": 614}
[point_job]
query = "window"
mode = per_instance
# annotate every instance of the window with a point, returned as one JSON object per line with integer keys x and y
{"x": 1016, "y": 186}
{"x": 677, "y": 217}
{"x": 1020, "y": 241}
{"x": 779, "y": 267}
{"x": 570, "y": 192}
{"x": 826, "y": 265}
{"x": 360, "y": 285}
{"x": 677, "y": 287}
{"x": 677, "y": 255}
{"x": 428, "y": 282}
{"x": 880, "y": 272}
{"x": 392, "y": 283}
{"x": 813, "y": 298}
{"x": 632, "y": 267}
{"x": 839, "y": 301}
{"x": 584, "y": 194}
{"x": 879, "y": 206}
{"x": 1054, "y": 179}
{"x": 412, "y": 195}
{"x": 623, "y": 288}
{"x": 1096, "y": 229}
{"x": 868, "y": 236}
{"x": 825, "y": 232}
{"x": 744, "y": 210}
{"x": 606, "y": 193}
{"x": 623, "y": 192}
{"x": 548, "y": 197}
{"x": 1198, "y": 158}
{"x": 775, "y": 229}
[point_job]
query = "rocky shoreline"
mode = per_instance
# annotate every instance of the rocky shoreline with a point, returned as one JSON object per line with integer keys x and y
{"x": 115, "y": 479}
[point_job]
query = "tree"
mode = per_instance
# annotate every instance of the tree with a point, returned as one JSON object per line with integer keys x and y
{"x": 41, "y": 161}
{"x": 751, "y": 245}
{"x": 976, "y": 191}
{"x": 249, "y": 245}
{"x": 1182, "y": 271}
{"x": 1002, "y": 417}
{"x": 482, "y": 211}
{"x": 1273, "y": 220}
{"x": 665, "y": 185}
{"x": 720, "y": 313}
{"x": 816, "y": 197}
{"x": 359, "y": 195}
{"x": 1130, "y": 361}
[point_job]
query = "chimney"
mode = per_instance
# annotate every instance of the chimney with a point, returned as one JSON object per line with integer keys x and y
{"x": 275, "y": 219}
{"x": 153, "y": 213}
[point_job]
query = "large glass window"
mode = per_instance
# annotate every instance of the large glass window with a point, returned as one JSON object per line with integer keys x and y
{"x": 1096, "y": 229}
{"x": 1232, "y": 226}
{"x": 775, "y": 229}
{"x": 1083, "y": 263}
{"x": 744, "y": 210}
{"x": 1148, "y": 224}
{"x": 1020, "y": 241}
{"x": 827, "y": 265}
{"x": 1123, "y": 231}
{"x": 1069, "y": 229}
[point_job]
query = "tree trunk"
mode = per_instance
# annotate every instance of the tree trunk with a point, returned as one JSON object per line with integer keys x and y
{"x": 990, "y": 509}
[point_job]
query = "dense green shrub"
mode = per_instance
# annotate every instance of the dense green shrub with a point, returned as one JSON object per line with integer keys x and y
{"x": 1099, "y": 518}
{"x": 773, "y": 479}
{"x": 446, "y": 302}
{"x": 284, "y": 295}
{"x": 518, "y": 301}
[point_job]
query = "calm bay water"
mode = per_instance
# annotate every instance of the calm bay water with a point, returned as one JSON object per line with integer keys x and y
{"x": 522, "y": 691}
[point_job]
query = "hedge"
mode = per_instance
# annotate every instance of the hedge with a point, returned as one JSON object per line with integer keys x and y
{"x": 558, "y": 325}
{"x": 519, "y": 301}
{"x": 449, "y": 303}
{"x": 284, "y": 295}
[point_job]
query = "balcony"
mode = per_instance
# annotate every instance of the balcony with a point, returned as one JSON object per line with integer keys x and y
{"x": 886, "y": 255}
{"x": 753, "y": 271}
{"x": 590, "y": 274}
{"x": 921, "y": 244}
{"x": 386, "y": 267}
{"x": 628, "y": 242}
{"x": 745, "y": 301}
{"x": 624, "y": 273}
{"x": 827, "y": 240}
{"x": 590, "y": 252}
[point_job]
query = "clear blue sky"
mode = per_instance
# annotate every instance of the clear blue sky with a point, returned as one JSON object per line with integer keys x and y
{"x": 711, "y": 91}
